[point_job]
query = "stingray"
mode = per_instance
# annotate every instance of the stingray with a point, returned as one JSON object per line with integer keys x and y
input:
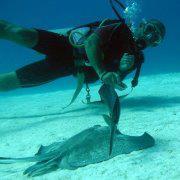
{"x": 87, "y": 147}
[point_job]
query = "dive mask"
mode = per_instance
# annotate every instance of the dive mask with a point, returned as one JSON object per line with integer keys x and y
{"x": 152, "y": 34}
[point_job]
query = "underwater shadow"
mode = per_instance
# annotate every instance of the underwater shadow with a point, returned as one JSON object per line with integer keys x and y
{"x": 44, "y": 115}
{"x": 50, "y": 117}
{"x": 134, "y": 104}
{"x": 34, "y": 124}
{"x": 149, "y": 103}
{"x": 145, "y": 103}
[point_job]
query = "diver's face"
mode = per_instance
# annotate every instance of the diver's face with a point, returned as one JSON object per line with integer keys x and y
{"x": 149, "y": 33}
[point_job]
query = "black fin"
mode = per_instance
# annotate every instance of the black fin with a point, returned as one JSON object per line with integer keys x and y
{"x": 81, "y": 79}
{"x": 40, "y": 150}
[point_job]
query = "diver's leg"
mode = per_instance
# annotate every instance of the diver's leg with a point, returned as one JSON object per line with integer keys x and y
{"x": 45, "y": 42}
{"x": 35, "y": 74}
{"x": 9, "y": 81}
{"x": 20, "y": 35}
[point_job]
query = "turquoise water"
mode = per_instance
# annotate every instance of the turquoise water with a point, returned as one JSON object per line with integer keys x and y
{"x": 28, "y": 121}
{"x": 60, "y": 14}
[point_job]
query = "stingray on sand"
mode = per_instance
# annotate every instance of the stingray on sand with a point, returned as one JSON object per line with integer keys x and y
{"x": 93, "y": 145}
{"x": 88, "y": 147}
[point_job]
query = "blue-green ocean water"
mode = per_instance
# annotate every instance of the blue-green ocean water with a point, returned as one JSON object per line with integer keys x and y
{"x": 54, "y": 14}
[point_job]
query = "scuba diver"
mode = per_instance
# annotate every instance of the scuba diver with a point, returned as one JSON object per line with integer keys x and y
{"x": 106, "y": 50}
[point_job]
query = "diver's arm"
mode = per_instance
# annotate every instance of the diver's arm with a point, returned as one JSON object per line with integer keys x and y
{"x": 94, "y": 53}
{"x": 96, "y": 57}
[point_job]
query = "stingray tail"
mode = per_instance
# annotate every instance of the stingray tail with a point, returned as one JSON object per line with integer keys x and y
{"x": 4, "y": 160}
{"x": 113, "y": 129}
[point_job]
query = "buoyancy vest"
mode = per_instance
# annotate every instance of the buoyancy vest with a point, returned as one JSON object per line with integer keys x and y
{"x": 85, "y": 73}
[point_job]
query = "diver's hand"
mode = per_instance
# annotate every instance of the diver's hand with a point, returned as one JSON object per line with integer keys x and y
{"x": 127, "y": 61}
{"x": 113, "y": 79}
{"x": 121, "y": 86}
{"x": 110, "y": 78}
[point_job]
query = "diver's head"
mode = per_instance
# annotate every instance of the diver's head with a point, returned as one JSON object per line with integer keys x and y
{"x": 150, "y": 33}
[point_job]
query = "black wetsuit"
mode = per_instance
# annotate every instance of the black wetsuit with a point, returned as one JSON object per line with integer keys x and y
{"x": 60, "y": 56}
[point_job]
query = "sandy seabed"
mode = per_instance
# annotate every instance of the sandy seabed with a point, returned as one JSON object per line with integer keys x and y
{"x": 28, "y": 121}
